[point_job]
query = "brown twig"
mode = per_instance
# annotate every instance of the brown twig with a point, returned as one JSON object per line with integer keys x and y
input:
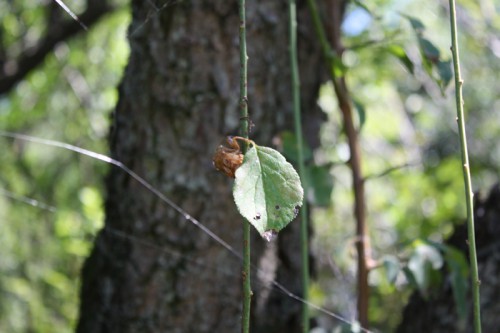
{"x": 344, "y": 101}
{"x": 336, "y": 9}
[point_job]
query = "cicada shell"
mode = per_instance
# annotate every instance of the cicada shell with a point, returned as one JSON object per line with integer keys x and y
{"x": 228, "y": 158}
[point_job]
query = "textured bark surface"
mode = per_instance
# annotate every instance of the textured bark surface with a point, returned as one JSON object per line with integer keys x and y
{"x": 178, "y": 99}
{"x": 438, "y": 313}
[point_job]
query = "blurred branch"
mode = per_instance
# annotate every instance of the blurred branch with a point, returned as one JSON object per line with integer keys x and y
{"x": 390, "y": 170}
{"x": 332, "y": 51}
{"x": 14, "y": 71}
{"x": 304, "y": 224}
{"x": 390, "y": 38}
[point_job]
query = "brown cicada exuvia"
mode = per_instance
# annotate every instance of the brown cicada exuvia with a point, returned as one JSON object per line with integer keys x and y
{"x": 228, "y": 157}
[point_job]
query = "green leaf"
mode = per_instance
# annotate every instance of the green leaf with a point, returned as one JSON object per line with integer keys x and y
{"x": 360, "y": 108}
{"x": 338, "y": 67}
{"x": 424, "y": 261}
{"x": 429, "y": 51}
{"x": 361, "y": 4}
{"x": 319, "y": 184}
{"x": 399, "y": 52}
{"x": 290, "y": 150}
{"x": 437, "y": 69}
{"x": 267, "y": 190}
{"x": 392, "y": 268}
{"x": 445, "y": 73}
{"x": 410, "y": 277}
{"x": 416, "y": 24}
{"x": 459, "y": 272}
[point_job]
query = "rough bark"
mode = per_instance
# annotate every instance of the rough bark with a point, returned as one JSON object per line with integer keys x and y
{"x": 178, "y": 99}
{"x": 437, "y": 313}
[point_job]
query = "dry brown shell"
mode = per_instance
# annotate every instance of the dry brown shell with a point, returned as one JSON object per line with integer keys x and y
{"x": 228, "y": 158}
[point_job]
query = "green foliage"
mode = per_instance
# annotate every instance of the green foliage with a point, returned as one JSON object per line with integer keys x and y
{"x": 51, "y": 201}
{"x": 318, "y": 181}
{"x": 267, "y": 190}
{"x": 361, "y": 111}
{"x": 458, "y": 268}
{"x": 289, "y": 147}
{"x": 437, "y": 67}
{"x": 399, "y": 52}
{"x": 399, "y": 71}
{"x": 392, "y": 267}
{"x": 319, "y": 184}
{"x": 423, "y": 267}
{"x": 459, "y": 271}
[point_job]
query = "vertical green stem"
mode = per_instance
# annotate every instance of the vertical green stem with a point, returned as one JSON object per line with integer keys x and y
{"x": 466, "y": 171}
{"x": 320, "y": 31}
{"x": 304, "y": 239}
{"x": 247, "y": 290}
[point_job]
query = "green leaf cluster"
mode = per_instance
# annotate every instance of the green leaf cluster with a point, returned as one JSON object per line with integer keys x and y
{"x": 318, "y": 180}
{"x": 424, "y": 267}
{"x": 438, "y": 67}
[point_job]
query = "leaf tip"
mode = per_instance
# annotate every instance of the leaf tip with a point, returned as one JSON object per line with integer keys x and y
{"x": 270, "y": 235}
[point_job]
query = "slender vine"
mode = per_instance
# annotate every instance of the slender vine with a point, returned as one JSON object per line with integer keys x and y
{"x": 342, "y": 93}
{"x": 243, "y": 72}
{"x": 304, "y": 238}
{"x": 466, "y": 170}
{"x": 320, "y": 31}
{"x": 247, "y": 289}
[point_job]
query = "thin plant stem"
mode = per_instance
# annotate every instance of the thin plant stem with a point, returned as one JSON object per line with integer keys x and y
{"x": 247, "y": 289}
{"x": 304, "y": 238}
{"x": 320, "y": 31}
{"x": 466, "y": 170}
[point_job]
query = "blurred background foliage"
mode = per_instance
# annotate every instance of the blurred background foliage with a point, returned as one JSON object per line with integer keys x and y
{"x": 51, "y": 201}
{"x": 397, "y": 65}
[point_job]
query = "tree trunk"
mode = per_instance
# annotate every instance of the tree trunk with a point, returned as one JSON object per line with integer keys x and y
{"x": 178, "y": 99}
{"x": 438, "y": 312}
